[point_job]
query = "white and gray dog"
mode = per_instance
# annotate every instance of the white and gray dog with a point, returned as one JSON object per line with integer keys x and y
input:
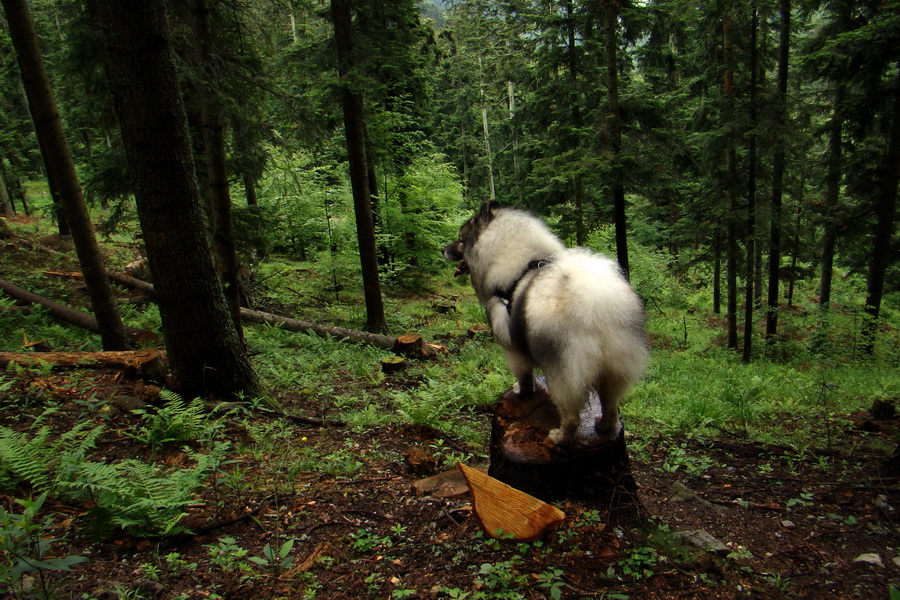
{"x": 568, "y": 311}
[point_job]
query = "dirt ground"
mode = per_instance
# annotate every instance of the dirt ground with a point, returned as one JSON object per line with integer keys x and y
{"x": 793, "y": 524}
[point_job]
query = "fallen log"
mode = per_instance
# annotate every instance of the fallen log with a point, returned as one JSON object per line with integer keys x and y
{"x": 126, "y": 279}
{"x": 148, "y": 362}
{"x": 67, "y": 314}
{"x": 375, "y": 339}
{"x": 407, "y": 345}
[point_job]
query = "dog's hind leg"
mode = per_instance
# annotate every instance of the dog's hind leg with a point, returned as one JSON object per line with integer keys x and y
{"x": 523, "y": 370}
{"x": 568, "y": 399}
{"x": 612, "y": 388}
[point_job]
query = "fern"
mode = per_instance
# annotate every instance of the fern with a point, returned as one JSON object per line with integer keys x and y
{"x": 177, "y": 421}
{"x": 137, "y": 496}
{"x": 23, "y": 459}
{"x": 41, "y": 462}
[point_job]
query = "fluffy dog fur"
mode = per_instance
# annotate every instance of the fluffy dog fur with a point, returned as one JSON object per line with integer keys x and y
{"x": 569, "y": 312}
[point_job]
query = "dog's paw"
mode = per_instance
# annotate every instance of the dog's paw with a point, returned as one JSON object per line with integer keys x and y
{"x": 521, "y": 389}
{"x": 557, "y": 436}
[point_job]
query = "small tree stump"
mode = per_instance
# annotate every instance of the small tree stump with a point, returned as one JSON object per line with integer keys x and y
{"x": 590, "y": 469}
{"x": 392, "y": 364}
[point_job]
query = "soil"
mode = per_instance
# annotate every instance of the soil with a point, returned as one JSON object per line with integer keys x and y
{"x": 793, "y": 522}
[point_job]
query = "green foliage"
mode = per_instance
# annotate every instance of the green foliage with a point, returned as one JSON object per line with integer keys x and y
{"x": 141, "y": 497}
{"x": 40, "y": 461}
{"x": 420, "y": 214}
{"x": 177, "y": 421}
{"x": 25, "y": 546}
{"x": 130, "y": 494}
{"x": 276, "y": 560}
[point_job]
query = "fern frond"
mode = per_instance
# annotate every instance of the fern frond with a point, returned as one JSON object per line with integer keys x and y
{"x": 27, "y": 460}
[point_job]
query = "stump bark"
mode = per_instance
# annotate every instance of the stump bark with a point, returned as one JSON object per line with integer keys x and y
{"x": 589, "y": 469}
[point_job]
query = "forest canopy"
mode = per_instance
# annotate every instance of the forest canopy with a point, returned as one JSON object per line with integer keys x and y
{"x": 760, "y": 140}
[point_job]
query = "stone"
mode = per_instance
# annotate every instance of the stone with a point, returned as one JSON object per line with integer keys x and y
{"x": 869, "y": 558}
{"x": 681, "y": 493}
{"x": 788, "y": 524}
{"x": 703, "y": 540}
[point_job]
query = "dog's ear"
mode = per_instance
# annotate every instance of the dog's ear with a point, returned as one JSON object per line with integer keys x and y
{"x": 486, "y": 214}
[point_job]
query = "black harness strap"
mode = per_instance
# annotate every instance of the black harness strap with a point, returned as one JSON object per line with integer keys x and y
{"x": 507, "y": 294}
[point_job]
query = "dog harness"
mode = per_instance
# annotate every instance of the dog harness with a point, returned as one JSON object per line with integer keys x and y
{"x": 507, "y": 295}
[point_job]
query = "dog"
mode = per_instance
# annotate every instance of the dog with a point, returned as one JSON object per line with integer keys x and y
{"x": 568, "y": 311}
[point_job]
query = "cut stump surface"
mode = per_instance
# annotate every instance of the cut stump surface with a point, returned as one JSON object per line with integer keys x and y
{"x": 589, "y": 468}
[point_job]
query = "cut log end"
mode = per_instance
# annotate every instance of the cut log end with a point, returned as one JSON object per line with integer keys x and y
{"x": 392, "y": 364}
{"x": 504, "y": 512}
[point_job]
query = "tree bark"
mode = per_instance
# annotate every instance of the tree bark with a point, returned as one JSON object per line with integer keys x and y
{"x": 60, "y": 166}
{"x": 6, "y": 207}
{"x": 751, "y": 196}
{"x": 149, "y": 361}
{"x": 614, "y": 120}
{"x": 833, "y": 175}
{"x": 599, "y": 473}
{"x": 205, "y": 352}
{"x": 885, "y": 210}
{"x": 778, "y": 161}
{"x": 577, "y": 122}
{"x": 730, "y": 203}
{"x": 216, "y": 172}
{"x": 354, "y": 130}
{"x": 404, "y": 344}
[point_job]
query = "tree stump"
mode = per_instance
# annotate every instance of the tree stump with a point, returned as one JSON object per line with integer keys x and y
{"x": 588, "y": 469}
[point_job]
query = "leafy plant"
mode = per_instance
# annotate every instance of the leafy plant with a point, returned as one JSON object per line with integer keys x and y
{"x": 502, "y": 578}
{"x": 24, "y": 546}
{"x": 227, "y": 555}
{"x": 177, "y": 421}
{"x": 138, "y": 496}
{"x": 41, "y": 461}
{"x": 275, "y": 560}
{"x": 366, "y": 541}
{"x": 551, "y": 580}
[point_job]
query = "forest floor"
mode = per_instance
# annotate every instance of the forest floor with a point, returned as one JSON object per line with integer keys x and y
{"x": 794, "y": 525}
{"x": 794, "y": 522}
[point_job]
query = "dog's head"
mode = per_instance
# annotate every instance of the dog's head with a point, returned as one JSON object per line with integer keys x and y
{"x": 468, "y": 235}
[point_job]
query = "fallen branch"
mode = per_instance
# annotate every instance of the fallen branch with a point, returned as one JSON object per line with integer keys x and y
{"x": 375, "y": 339}
{"x": 65, "y": 313}
{"x": 148, "y": 361}
{"x": 408, "y": 345}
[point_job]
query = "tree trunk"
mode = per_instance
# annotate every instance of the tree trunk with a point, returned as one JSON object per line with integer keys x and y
{"x": 833, "y": 176}
{"x": 6, "y": 208}
{"x": 55, "y": 149}
{"x": 578, "y": 179}
{"x": 717, "y": 274}
{"x": 249, "y": 189}
{"x": 354, "y": 129}
{"x": 205, "y": 352}
{"x": 588, "y": 470}
{"x": 730, "y": 203}
{"x": 217, "y": 176}
{"x": 885, "y": 210}
{"x": 750, "y": 274}
{"x": 778, "y": 161}
{"x": 486, "y": 136}
{"x": 614, "y": 121}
